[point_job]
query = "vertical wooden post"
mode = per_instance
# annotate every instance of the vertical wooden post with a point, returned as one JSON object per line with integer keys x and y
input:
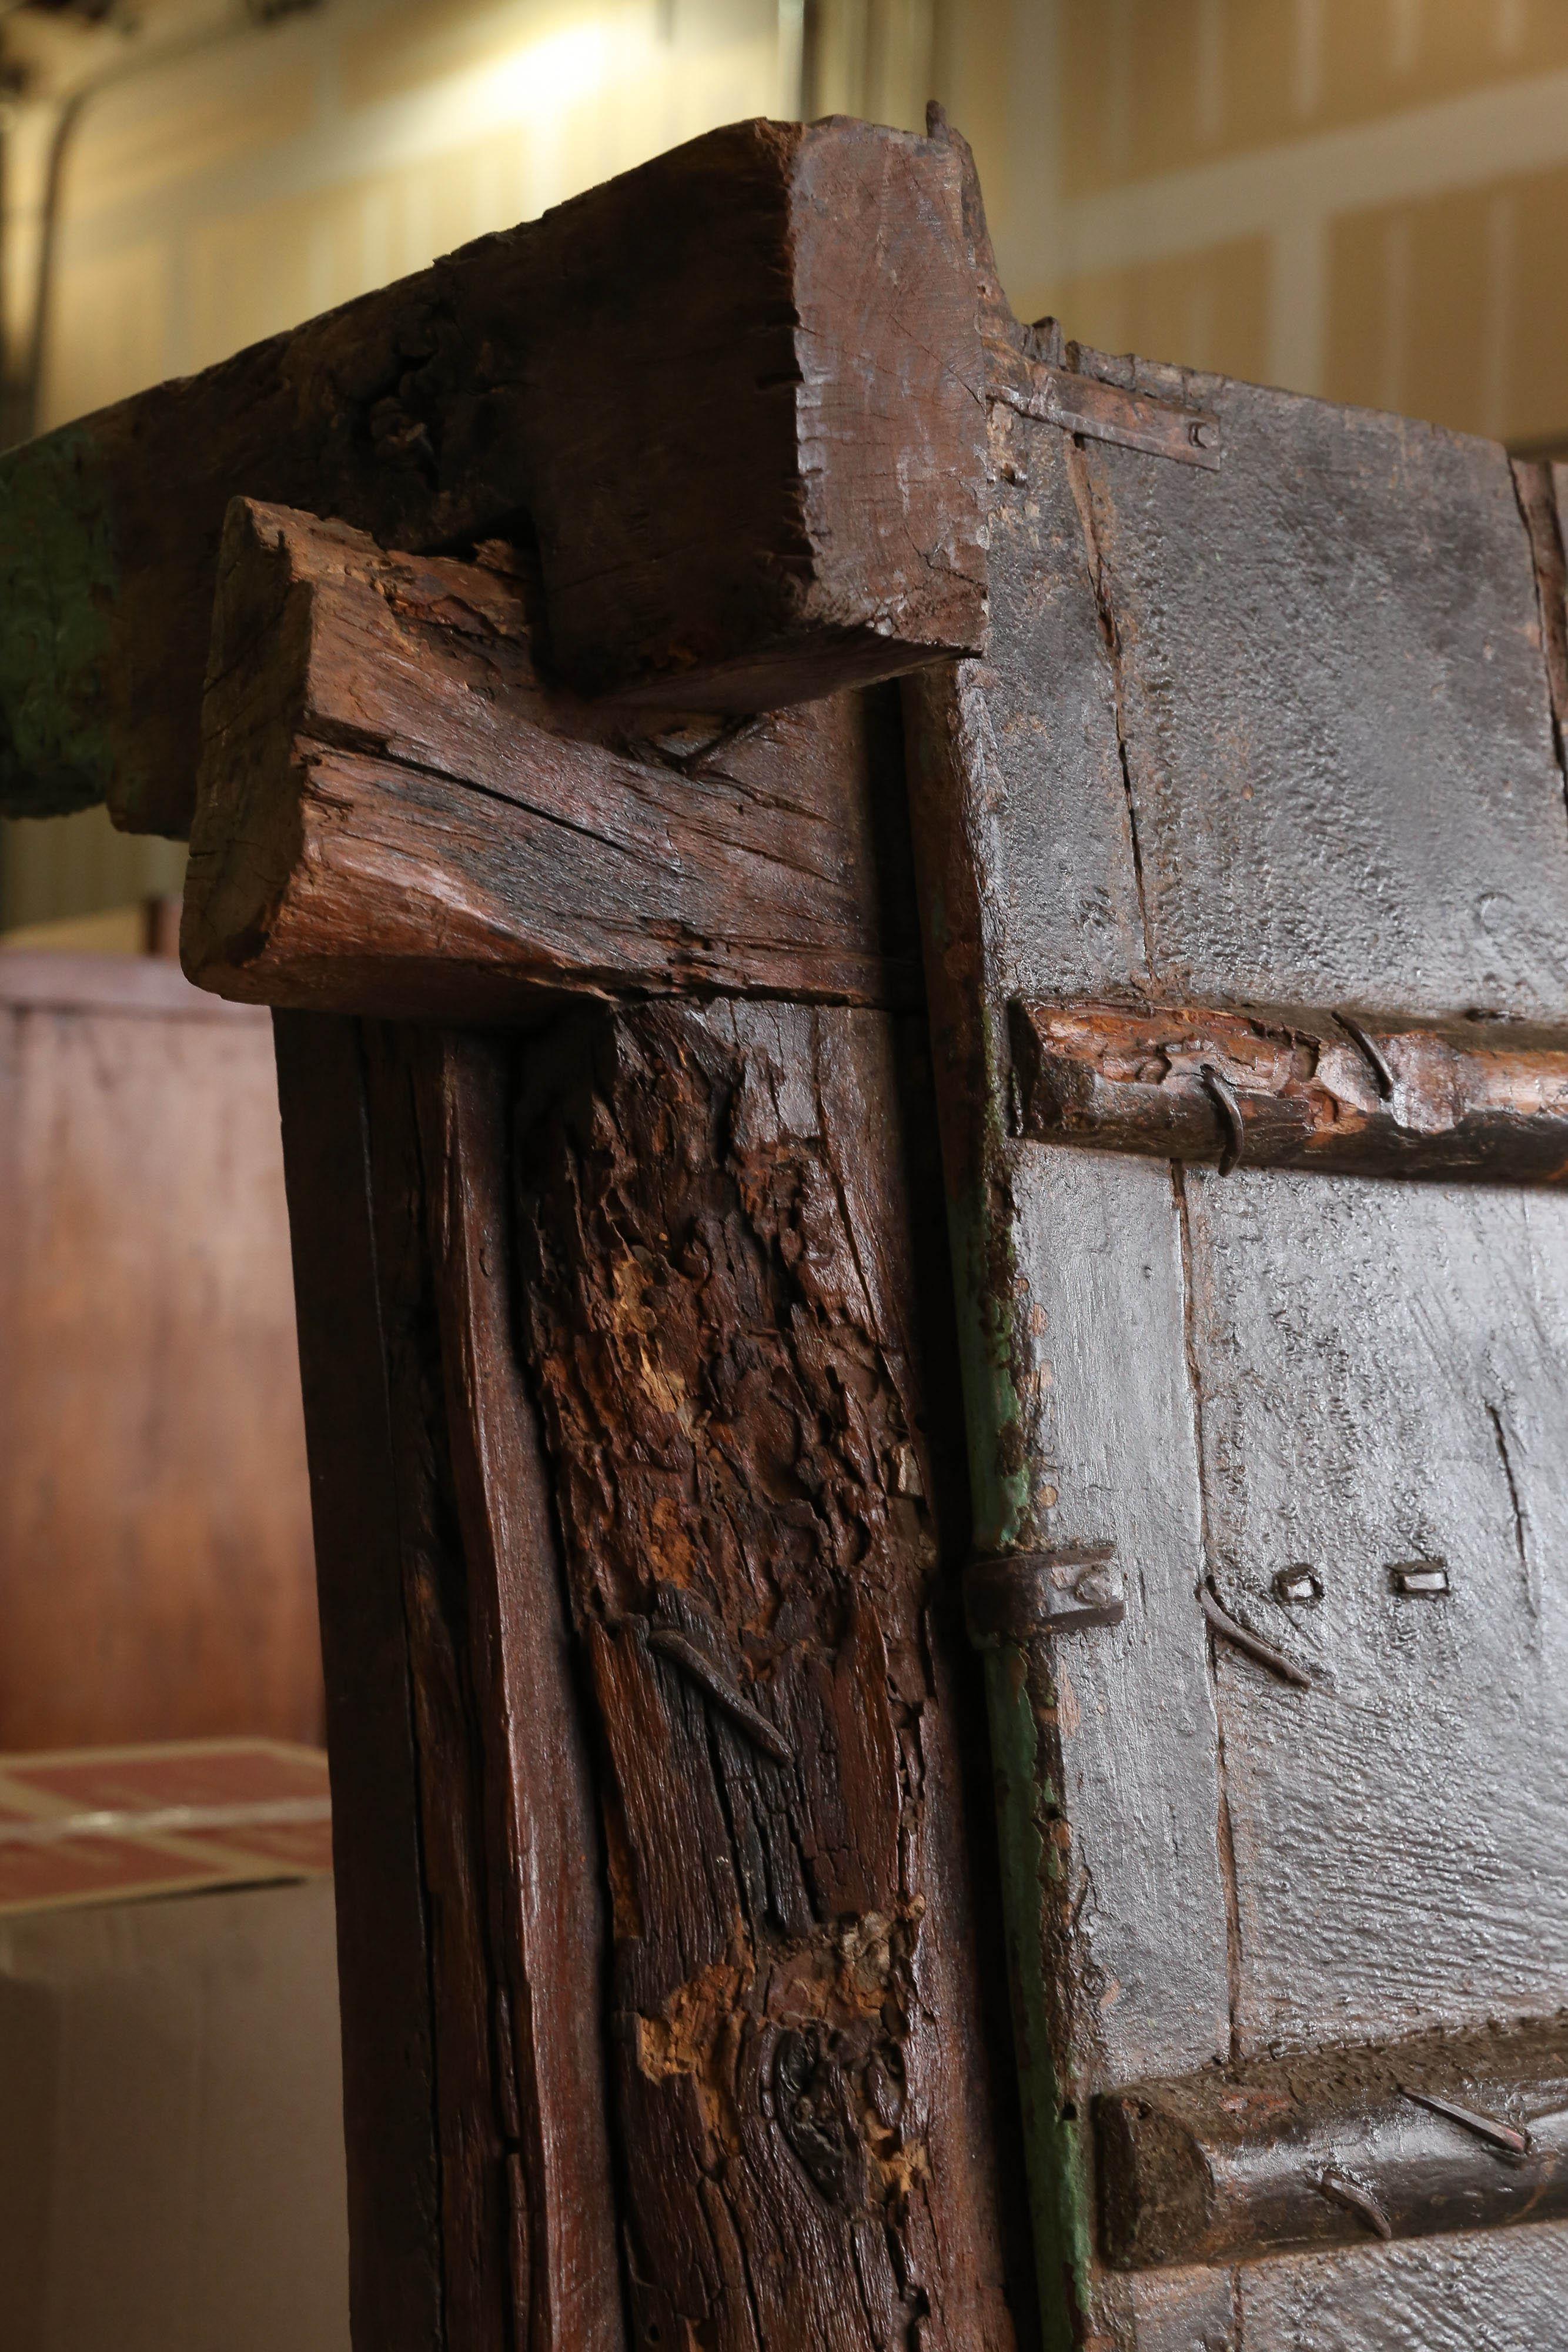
{"x": 719, "y": 1281}
{"x": 468, "y": 1885}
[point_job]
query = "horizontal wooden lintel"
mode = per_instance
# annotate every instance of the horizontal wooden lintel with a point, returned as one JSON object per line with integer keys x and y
{"x": 397, "y": 817}
{"x": 1351, "y": 1094}
{"x": 1337, "y": 2147}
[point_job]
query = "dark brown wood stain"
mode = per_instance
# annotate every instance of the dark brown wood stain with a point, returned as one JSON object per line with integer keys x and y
{"x": 714, "y": 1262}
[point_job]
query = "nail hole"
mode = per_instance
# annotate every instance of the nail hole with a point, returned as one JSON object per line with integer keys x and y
{"x": 1419, "y": 1579}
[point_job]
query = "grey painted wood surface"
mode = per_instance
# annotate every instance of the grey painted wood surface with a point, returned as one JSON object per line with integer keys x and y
{"x": 1283, "y": 734}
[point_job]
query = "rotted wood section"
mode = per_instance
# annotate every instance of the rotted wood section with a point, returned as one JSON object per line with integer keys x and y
{"x": 687, "y": 1236}
{"x": 1352, "y": 1095}
{"x": 718, "y": 1285}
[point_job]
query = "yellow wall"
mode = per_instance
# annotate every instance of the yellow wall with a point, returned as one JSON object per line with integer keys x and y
{"x": 1360, "y": 198}
{"x": 218, "y": 197}
{"x": 1363, "y": 198}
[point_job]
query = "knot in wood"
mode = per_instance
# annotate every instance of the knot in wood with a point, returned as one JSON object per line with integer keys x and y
{"x": 813, "y": 2100}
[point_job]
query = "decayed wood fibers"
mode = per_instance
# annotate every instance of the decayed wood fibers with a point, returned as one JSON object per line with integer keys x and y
{"x": 715, "y": 1264}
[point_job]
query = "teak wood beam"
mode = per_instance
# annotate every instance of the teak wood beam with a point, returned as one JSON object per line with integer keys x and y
{"x": 1338, "y": 2146}
{"x": 683, "y": 1236}
{"x": 721, "y": 1269}
{"x": 686, "y": 1238}
{"x": 470, "y": 1900}
{"x": 735, "y": 397}
{"x": 1354, "y": 1095}
{"x": 394, "y": 816}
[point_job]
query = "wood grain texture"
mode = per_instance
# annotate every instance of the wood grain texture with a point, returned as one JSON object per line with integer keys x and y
{"x": 1302, "y": 753}
{"x": 734, "y": 394}
{"x": 155, "y": 1579}
{"x": 1381, "y": 1376}
{"x": 1431, "y": 864}
{"x": 386, "y": 1992}
{"x": 718, "y": 1295}
{"x": 395, "y": 815}
{"x": 468, "y": 1874}
{"x": 1334, "y": 712}
{"x": 1268, "y": 1087}
{"x": 1105, "y": 1741}
{"x": 1474, "y": 2291}
{"x": 1351, "y": 2142}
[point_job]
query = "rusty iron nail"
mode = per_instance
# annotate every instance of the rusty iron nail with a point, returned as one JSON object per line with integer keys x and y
{"x": 1344, "y": 2190}
{"x": 1206, "y": 433}
{"x": 1253, "y": 1645}
{"x": 1505, "y": 2136}
{"x": 1422, "y": 1579}
{"x": 1297, "y": 1586}
{"x": 1372, "y": 1052}
{"x": 702, "y": 1670}
{"x": 1222, "y": 1094}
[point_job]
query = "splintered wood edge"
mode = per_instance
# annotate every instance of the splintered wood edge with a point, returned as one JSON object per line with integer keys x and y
{"x": 397, "y": 817}
{"x": 828, "y": 577}
{"x": 1346, "y": 1093}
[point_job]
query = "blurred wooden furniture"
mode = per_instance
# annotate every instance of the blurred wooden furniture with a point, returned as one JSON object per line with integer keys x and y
{"x": 156, "y": 1578}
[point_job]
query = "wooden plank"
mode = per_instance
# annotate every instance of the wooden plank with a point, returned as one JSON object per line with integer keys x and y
{"x": 547, "y": 1914}
{"x": 1274, "y": 734}
{"x": 1443, "y": 2294}
{"x": 395, "y": 814}
{"x": 1351, "y": 2142}
{"x": 383, "y": 1957}
{"x": 1390, "y": 807}
{"x": 1430, "y": 1749}
{"x": 718, "y": 1296}
{"x": 659, "y": 382}
{"x": 155, "y": 1576}
{"x": 1264, "y": 1087}
{"x": 1105, "y": 1740}
{"x": 1334, "y": 712}
{"x": 468, "y": 1895}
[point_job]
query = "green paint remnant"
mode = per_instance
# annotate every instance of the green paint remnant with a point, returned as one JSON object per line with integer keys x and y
{"x": 990, "y": 1299}
{"x": 992, "y": 1408}
{"x": 57, "y": 587}
{"x": 1055, "y": 2137}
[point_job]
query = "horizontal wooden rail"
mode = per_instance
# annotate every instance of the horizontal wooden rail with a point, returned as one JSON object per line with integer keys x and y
{"x": 733, "y": 399}
{"x": 1354, "y": 1095}
{"x": 1343, "y": 2146}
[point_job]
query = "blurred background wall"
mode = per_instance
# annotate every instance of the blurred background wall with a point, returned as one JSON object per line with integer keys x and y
{"x": 1362, "y": 198}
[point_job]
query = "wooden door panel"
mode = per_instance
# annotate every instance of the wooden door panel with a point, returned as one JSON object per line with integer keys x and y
{"x": 1334, "y": 710}
{"x": 1469, "y": 2292}
{"x": 1382, "y": 1367}
{"x": 1135, "y": 1712}
{"x": 1278, "y": 735}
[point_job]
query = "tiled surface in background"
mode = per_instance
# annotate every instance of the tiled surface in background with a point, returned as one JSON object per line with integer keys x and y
{"x": 109, "y": 1823}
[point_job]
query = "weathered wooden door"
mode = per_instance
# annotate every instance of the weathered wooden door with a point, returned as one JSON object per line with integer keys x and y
{"x": 1245, "y": 874}
{"x": 569, "y": 843}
